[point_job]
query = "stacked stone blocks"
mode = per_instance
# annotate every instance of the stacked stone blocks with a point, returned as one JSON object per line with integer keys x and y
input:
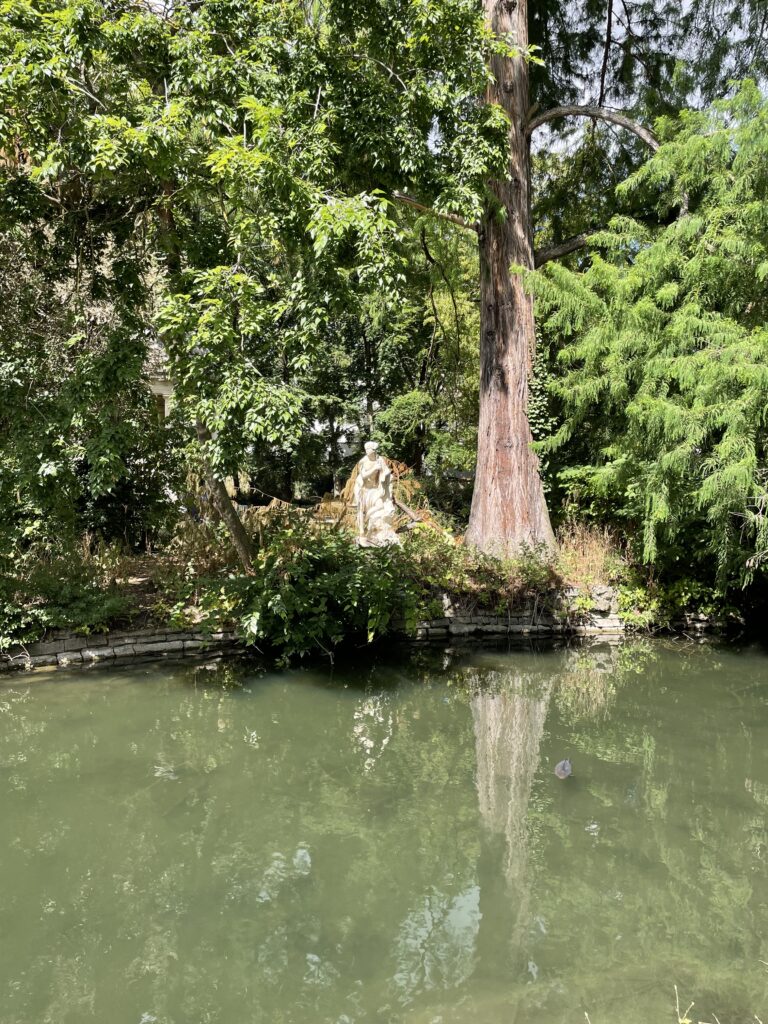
{"x": 570, "y": 612}
{"x": 61, "y": 648}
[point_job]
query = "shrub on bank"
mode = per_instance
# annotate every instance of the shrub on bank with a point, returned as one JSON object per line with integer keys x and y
{"x": 313, "y": 588}
{"x": 57, "y": 590}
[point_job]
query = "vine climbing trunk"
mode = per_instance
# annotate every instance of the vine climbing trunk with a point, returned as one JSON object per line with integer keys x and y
{"x": 508, "y": 505}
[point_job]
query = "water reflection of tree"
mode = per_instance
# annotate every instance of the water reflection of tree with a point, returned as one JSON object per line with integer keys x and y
{"x": 247, "y": 856}
{"x": 509, "y": 697}
{"x": 509, "y": 710}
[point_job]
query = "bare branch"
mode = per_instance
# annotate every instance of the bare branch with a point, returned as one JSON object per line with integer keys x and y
{"x": 85, "y": 90}
{"x": 437, "y": 263}
{"x": 454, "y": 218}
{"x": 390, "y": 71}
{"x": 606, "y": 53}
{"x": 597, "y": 114}
{"x": 554, "y": 252}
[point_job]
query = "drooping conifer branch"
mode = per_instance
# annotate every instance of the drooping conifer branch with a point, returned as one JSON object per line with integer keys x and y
{"x": 597, "y": 114}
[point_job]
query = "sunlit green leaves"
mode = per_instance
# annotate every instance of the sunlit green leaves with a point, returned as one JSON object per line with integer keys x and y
{"x": 313, "y": 588}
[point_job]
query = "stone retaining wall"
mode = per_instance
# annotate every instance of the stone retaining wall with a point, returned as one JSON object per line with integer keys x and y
{"x": 571, "y": 612}
{"x": 61, "y": 648}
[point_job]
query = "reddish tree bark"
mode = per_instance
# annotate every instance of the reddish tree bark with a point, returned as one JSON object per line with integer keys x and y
{"x": 508, "y": 504}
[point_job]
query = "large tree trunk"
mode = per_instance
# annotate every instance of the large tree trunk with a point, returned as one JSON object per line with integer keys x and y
{"x": 508, "y": 505}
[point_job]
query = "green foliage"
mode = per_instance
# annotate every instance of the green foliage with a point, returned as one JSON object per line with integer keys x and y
{"x": 639, "y": 605}
{"x": 83, "y": 446}
{"x": 540, "y": 412}
{"x": 240, "y": 161}
{"x": 664, "y": 347}
{"x": 646, "y": 604}
{"x": 437, "y": 565}
{"x": 312, "y": 589}
{"x": 56, "y": 591}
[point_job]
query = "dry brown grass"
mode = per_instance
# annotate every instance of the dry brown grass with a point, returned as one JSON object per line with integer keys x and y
{"x": 588, "y": 554}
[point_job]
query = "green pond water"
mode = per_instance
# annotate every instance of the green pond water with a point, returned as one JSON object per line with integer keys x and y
{"x": 200, "y": 842}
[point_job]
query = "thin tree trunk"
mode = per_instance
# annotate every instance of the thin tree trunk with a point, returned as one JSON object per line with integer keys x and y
{"x": 508, "y": 504}
{"x": 221, "y": 499}
{"x": 286, "y": 488}
{"x": 335, "y": 455}
{"x": 225, "y": 508}
{"x": 370, "y": 359}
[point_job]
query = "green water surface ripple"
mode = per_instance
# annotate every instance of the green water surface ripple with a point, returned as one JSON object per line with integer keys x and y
{"x": 184, "y": 844}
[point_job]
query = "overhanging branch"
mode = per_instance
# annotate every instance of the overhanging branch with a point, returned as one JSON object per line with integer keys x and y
{"x": 554, "y": 252}
{"x": 596, "y": 114}
{"x": 454, "y": 218}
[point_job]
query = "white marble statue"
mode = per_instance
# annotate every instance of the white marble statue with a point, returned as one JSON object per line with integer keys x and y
{"x": 373, "y": 496}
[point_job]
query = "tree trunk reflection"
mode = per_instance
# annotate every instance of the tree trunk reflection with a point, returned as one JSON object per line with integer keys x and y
{"x": 509, "y": 712}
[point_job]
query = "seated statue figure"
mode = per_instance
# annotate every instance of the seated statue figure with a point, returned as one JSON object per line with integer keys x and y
{"x": 373, "y": 497}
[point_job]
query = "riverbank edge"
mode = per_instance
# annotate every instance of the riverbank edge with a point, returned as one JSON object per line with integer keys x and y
{"x": 63, "y": 649}
{"x": 571, "y": 612}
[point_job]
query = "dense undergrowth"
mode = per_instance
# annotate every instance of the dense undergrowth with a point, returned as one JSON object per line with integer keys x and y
{"x": 313, "y": 589}
{"x": 58, "y": 590}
